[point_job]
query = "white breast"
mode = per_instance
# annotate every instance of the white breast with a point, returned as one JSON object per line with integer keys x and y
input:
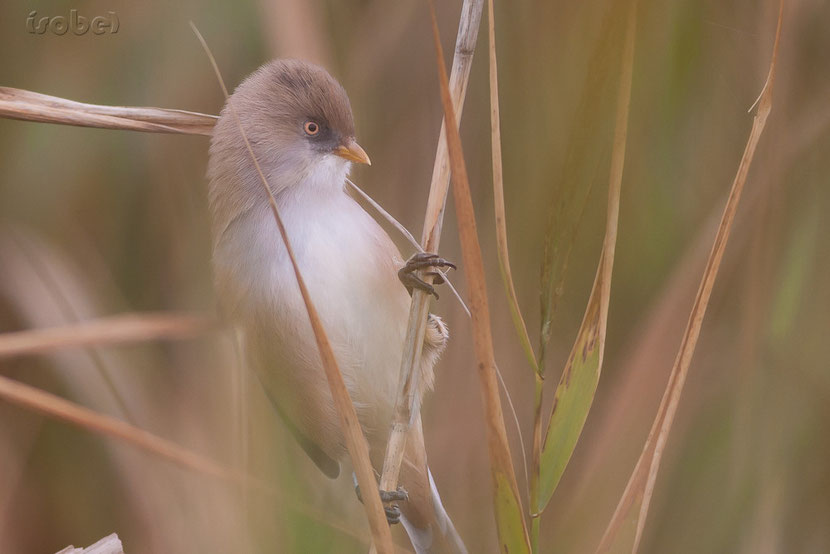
{"x": 350, "y": 267}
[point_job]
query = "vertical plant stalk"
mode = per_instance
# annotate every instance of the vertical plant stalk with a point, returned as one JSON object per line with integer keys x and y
{"x": 576, "y": 389}
{"x": 510, "y": 523}
{"x": 535, "y": 461}
{"x": 407, "y": 404}
{"x": 353, "y": 433}
{"x": 498, "y": 197}
{"x": 640, "y": 487}
{"x": 503, "y": 253}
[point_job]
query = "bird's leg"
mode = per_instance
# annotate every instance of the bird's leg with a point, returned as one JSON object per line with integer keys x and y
{"x": 423, "y": 260}
{"x": 393, "y": 512}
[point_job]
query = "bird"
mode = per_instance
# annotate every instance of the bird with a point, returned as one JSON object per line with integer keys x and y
{"x": 299, "y": 123}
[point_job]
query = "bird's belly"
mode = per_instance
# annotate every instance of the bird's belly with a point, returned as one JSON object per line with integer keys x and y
{"x": 350, "y": 268}
{"x": 360, "y": 304}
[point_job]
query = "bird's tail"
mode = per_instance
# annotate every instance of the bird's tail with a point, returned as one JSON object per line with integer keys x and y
{"x": 423, "y": 516}
{"x": 424, "y": 539}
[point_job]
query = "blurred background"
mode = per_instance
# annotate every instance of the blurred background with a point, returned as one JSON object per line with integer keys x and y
{"x": 98, "y": 222}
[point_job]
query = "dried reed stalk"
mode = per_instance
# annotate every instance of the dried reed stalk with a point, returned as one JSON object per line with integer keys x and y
{"x": 640, "y": 485}
{"x": 407, "y": 405}
{"x": 510, "y": 523}
{"x": 32, "y": 106}
{"x": 356, "y": 442}
{"x": 54, "y": 406}
{"x": 117, "y": 329}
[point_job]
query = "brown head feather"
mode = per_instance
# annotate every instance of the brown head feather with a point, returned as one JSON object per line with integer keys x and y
{"x": 272, "y": 105}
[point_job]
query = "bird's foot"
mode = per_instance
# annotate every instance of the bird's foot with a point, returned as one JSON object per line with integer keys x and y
{"x": 423, "y": 260}
{"x": 394, "y": 496}
{"x": 393, "y": 512}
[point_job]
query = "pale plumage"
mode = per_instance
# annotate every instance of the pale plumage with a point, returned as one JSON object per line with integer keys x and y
{"x": 349, "y": 264}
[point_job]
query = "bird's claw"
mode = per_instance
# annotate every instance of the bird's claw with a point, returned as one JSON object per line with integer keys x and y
{"x": 394, "y": 496}
{"x": 393, "y": 512}
{"x": 423, "y": 260}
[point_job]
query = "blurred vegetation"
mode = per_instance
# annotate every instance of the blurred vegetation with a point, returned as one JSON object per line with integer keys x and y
{"x": 96, "y": 222}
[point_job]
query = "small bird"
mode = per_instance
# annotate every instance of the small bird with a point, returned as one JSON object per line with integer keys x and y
{"x": 300, "y": 126}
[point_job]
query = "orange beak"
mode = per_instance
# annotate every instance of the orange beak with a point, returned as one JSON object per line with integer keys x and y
{"x": 352, "y": 151}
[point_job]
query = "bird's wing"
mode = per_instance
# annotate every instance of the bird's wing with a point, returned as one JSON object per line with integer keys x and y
{"x": 263, "y": 358}
{"x": 327, "y": 465}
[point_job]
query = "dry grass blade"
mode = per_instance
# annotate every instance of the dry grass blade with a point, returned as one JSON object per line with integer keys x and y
{"x": 33, "y": 106}
{"x": 118, "y": 329}
{"x": 406, "y": 407}
{"x": 498, "y": 198}
{"x": 575, "y": 393}
{"x": 353, "y": 433}
{"x": 64, "y": 410}
{"x": 510, "y": 522}
{"x": 638, "y": 491}
{"x": 462, "y": 62}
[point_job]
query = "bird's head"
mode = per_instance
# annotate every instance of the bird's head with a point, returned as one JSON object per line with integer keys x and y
{"x": 299, "y": 123}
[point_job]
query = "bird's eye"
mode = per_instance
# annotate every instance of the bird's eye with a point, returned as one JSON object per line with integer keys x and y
{"x": 311, "y": 128}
